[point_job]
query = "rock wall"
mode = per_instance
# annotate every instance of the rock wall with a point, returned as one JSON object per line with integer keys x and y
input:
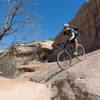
{"x": 88, "y": 21}
{"x": 81, "y": 81}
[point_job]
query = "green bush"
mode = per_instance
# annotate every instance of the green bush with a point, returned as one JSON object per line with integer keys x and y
{"x": 8, "y": 66}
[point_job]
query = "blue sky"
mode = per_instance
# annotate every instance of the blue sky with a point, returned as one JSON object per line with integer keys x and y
{"x": 53, "y": 13}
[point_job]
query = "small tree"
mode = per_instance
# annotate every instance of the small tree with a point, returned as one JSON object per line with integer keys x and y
{"x": 19, "y": 16}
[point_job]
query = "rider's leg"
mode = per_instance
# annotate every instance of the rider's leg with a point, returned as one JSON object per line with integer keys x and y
{"x": 76, "y": 44}
{"x": 72, "y": 43}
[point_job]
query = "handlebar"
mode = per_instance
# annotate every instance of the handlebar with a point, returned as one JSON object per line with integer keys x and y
{"x": 63, "y": 42}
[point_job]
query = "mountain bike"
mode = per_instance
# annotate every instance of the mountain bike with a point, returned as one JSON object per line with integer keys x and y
{"x": 66, "y": 54}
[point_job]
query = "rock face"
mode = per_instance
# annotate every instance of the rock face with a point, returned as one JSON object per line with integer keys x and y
{"x": 87, "y": 19}
{"x": 29, "y": 52}
{"x": 22, "y": 90}
{"x": 28, "y": 49}
{"x": 81, "y": 81}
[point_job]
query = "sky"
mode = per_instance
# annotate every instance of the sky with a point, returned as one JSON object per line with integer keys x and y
{"x": 56, "y": 13}
{"x": 53, "y": 15}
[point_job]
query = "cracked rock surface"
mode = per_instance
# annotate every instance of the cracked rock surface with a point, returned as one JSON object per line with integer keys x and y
{"x": 79, "y": 82}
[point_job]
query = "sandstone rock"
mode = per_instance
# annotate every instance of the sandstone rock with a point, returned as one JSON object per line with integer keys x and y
{"x": 29, "y": 48}
{"x": 79, "y": 82}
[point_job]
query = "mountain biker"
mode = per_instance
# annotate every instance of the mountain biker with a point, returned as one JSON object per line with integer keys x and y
{"x": 69, "y": 31}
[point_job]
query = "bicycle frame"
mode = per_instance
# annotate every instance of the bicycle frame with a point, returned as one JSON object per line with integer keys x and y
{"x": 66, "y": 48}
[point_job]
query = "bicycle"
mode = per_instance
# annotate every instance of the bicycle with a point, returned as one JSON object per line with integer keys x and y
{"x": 65, "y": 56}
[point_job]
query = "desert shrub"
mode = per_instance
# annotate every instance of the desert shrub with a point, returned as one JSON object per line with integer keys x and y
{"x": 43, "y": 56}
{"x": 32, "y": 57}
{"x": 39, "y": 55}
{"x": 8, "y": 66}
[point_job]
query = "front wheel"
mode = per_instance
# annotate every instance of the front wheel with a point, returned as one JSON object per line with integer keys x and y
{"x": 63, "y": 59}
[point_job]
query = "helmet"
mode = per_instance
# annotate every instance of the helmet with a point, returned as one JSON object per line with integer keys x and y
{"x": 66, "y": 25}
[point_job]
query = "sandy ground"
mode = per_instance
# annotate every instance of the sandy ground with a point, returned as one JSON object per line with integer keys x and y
{"x": 22, "y": 90}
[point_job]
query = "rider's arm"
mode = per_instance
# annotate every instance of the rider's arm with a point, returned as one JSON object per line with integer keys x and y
{"x": 73, "y": 36}
{"x": 65, "y": 33}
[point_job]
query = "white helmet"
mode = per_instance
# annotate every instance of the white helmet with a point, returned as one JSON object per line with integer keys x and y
{"x": 66, "y": 25}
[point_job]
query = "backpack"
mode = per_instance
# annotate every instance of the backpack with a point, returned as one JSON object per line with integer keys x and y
{"x": 75, "y": 29}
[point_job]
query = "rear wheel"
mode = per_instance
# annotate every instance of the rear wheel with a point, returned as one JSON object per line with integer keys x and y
{"x": 80, "y": 52}
{"x": 63, "y": 59}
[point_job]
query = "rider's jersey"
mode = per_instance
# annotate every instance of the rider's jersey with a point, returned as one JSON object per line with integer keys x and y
{"x": 75, "y": 30}
{"x": 69, "y": 32}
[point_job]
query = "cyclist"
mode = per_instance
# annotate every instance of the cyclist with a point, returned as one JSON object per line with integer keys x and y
{"x": 69, "y": 31}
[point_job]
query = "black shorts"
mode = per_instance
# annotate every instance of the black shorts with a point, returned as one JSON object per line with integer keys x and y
{"x": 75, "y": 37}
{"x": 73, "y": 41}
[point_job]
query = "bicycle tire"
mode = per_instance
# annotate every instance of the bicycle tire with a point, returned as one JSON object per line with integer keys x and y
{"x": 80, "y": 50}
{"x": 63, "y": 59}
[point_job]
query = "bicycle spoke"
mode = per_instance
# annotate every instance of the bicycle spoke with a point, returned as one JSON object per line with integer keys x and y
{"x": 63, "y": 59}
{"x": 81, "y": 52}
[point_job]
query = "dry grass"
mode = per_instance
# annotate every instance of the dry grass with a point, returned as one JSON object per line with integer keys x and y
{"x": 8, "y": 66}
